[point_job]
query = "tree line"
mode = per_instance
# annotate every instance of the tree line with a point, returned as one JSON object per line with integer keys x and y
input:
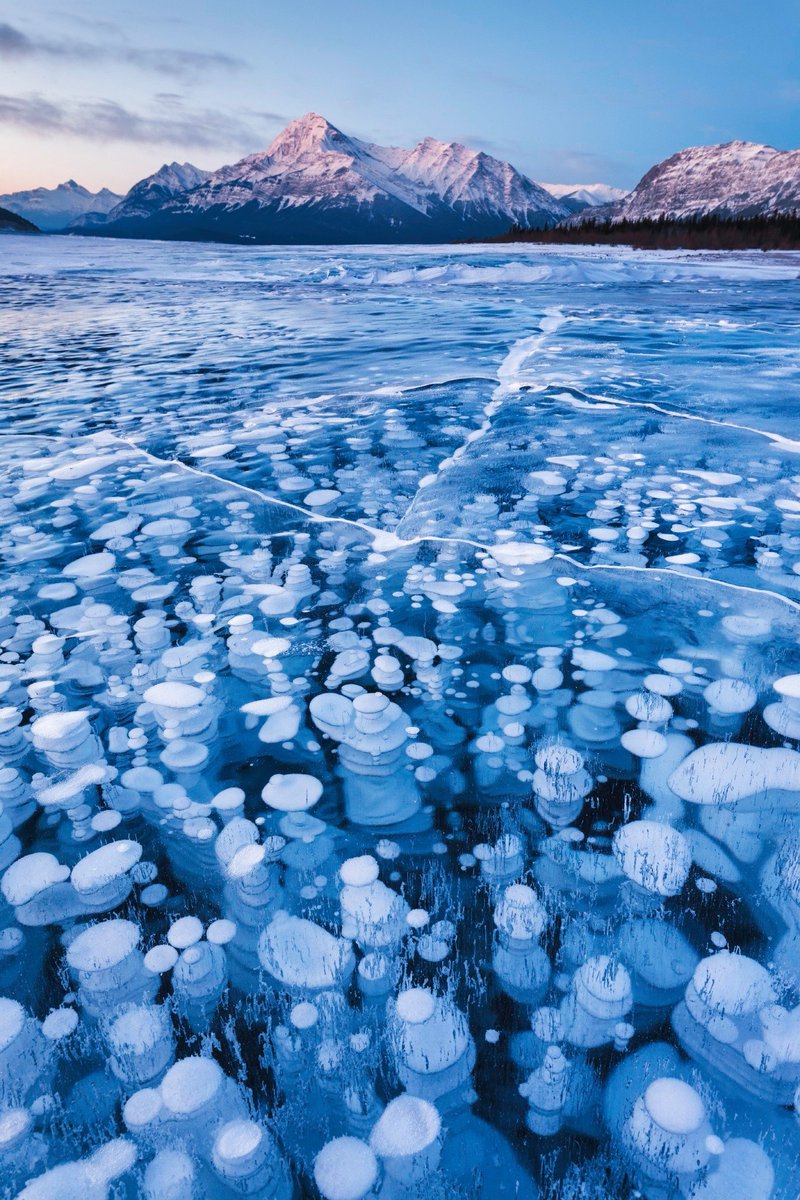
{"x": 777, "y": 231}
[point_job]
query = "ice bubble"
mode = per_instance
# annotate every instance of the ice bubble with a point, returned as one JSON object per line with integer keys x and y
{"x": 730, "y": 696}
{"x": 345, "y": 1169}
{"x": 60, "y": 1023}
{"x": 301, "y": 825}
{"x": 644, "y": 743}
{"x": 105, "y": 821}
{"x": 304, "y": 1015}
{"x": 669, "y": 1129}
{"x": 140, "y": 1038}
{"x": 66, "y": 792}
{"x": 243, "y": 1155}
{"x": 100, "y": 871}
{"x": 99, "y": 947}
{"x": 788, "y": 686}
{"x": 321, "y": 497}
{"x": 663, "y": 685}
{"x": 603, "y": 987}
{"x": 174, "y": 696}
{"x": 292, "y": 793}
{"x": 674, "y": 1105}
{"x": 30, "y": 875}
{"x": 359, "y": 872}
{"x": 725, "y": 773}
{"x": 60, "y": 730}
{"x": 271, "y": 647}
{"x": 649, "y": 707}
{"x": 191, "y": 1084}
{"x": 743, "y": 1172}
{"x": 12, "y": 1021}
{"x": 90, "y": 566}
{"x": 655, "y": 856}
{"x": 407, "y": 1126}
{"x": 160, "y": 959}
{"x": 784, "y": 717}
{"x": 521, "y": 554}
{"x": 121, "y": 527}
{"x": 142, "y": 1109}
{"x": 730, "y": 985}
{"x": 185, "y": 932}
{"x": 88, "y": 1179}
{"x": 170, "y": 1175}
{"x": 246, "y": 860}
{"x": 300, "y": 954}
{"x": 415, "y": 1005}
{"x": 520, "y": 914}
{"x": 592, "y": 660}
{"x": 220, "y": 932}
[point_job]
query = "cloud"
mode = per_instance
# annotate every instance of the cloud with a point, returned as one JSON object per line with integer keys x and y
{"x": 15, "y": 44}
{"x": 106, "y": 121}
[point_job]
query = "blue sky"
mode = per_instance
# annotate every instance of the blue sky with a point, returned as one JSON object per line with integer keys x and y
{"x": 573, "y": 92}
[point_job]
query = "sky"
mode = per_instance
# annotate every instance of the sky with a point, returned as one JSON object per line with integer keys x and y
{"x": 583, "y": 91}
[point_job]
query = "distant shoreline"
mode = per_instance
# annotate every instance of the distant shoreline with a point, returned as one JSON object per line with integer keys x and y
{"x": 778, "y": 232}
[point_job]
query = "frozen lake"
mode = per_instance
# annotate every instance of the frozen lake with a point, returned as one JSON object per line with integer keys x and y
{"x": 400, "y": 726}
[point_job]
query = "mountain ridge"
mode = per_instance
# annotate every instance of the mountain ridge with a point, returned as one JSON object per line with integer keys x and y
{"x": 316, "y": 184}
{"x": 727, "y": 179}
{"x": 55, "y": 208}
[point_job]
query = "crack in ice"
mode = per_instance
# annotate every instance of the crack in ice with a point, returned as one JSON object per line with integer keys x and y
{"x": 792, "y": 445}
{"x": 384, "y": 540}
{"x": 507, "y": 384}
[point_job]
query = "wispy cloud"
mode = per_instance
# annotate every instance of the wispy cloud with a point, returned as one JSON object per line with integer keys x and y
{"x": 106, "y": 121}
{"x": 15, "y": 44}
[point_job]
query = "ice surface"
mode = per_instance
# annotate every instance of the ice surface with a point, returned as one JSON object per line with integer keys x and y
{"x": 399, "y": 723}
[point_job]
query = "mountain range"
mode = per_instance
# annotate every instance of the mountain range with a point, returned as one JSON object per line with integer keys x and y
{"x": 148, "y": 195}
{"x": 58, "y": 207}
{"x": 735, "y": 179}
{"x": 587, "y": 195}
{"x": 317, "y": 185}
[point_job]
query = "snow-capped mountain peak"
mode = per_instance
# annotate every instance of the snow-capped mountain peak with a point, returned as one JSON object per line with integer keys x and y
{"x": 146, "y": 197}
{"x": 591, "y": 193}
{"x": 306, "y": 135}
{"x": 458, "y": 175}
{"x": 174, "y": 178}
